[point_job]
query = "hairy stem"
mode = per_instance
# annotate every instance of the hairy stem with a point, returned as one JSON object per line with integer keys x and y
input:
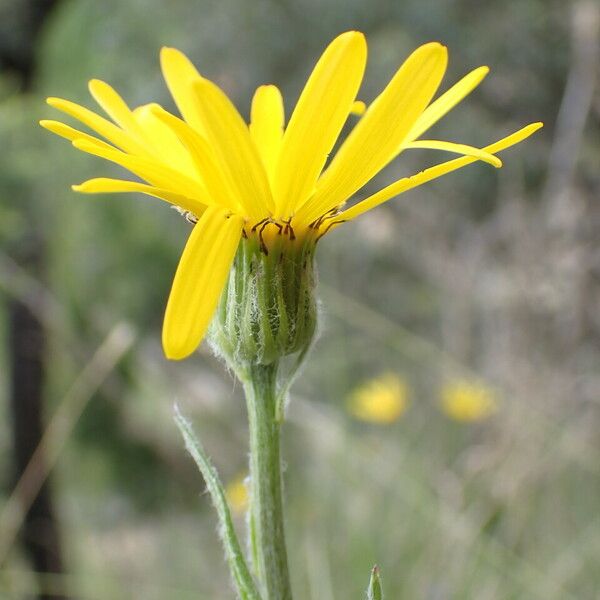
{"x": 266, "y": 506}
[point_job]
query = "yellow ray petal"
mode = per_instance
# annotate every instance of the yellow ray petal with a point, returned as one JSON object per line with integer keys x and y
{"x": 214, "y": 180}
{"x": 152, "y": 171}
{"x": 116, "y": 108}
{"x": 105, "y": 128}
{"x": 380, "y": 132}
{"x": 199, "y": 281}
{"x": 105, "y": 185}
{"x": 165, "y": 143}
{"x": 266, "y": 125}
{"x": 180, "y": 75}
{"x": 70, "y": 133}
{"x": 407, "y": 183}
{"x": 457, "y": 149}
{"x": 447, "y": 101}
{"x": 234, "y": 149}
{"x": 317, "y": 120}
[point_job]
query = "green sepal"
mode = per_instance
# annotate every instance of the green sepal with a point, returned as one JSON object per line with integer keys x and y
{"x": 375, "y": 592}
{"x": 244, "y": 584}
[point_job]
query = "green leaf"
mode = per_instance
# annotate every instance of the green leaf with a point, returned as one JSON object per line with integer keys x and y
{"x": 244, "y": 583}
{"x": 375, "y": 592}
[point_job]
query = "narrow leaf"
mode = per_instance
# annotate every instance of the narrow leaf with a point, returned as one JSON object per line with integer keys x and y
{"x": 244, "y": 583}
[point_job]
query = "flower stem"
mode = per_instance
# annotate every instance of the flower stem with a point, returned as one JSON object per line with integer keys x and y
{"x": 266, "y": 505}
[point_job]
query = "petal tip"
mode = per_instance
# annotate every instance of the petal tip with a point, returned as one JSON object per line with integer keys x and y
{"x": 175, "y": 351}
{"x": 359, "y": 38}
{"x": 168, "y": 54}
{"x": 358, "y": 108}
{"x": 353, "y": 38}
{"x": 94, "y": 84}
{"x": 172, "y": 356}
{"x": 155, "y": 109}
{"x": 176, "y": 356}
{"x": 432, "y": 50}
{"x": 532, "y": 128}
{"x": 352, "y": 33}
{"x": 438, "y": 46}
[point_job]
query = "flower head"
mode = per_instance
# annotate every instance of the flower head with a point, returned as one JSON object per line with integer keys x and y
{"x": 267, "y": 180}
{"x": 381, "y": 400}
{"x": 467, "y": 401}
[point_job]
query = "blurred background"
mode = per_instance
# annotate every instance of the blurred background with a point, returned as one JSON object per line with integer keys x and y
{"x": 447, "y": 425}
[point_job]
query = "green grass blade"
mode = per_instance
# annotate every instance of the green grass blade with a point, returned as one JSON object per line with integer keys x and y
{"x": 375, "y": 592}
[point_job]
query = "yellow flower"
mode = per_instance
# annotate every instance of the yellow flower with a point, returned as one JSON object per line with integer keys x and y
{"x": 467, "y": 401}
{"x": 266, "y": 179}
{"x": 237, "y": 494}
{"x": 380, "y": 400}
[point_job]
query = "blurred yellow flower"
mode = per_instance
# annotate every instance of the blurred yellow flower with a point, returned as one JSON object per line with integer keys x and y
{"x": 237, "y": 494}
{"x": 467, "y": 401}
{"x": 380, "y": 400}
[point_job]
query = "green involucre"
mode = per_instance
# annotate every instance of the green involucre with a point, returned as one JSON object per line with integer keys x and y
{"x": 268, "y": 308}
